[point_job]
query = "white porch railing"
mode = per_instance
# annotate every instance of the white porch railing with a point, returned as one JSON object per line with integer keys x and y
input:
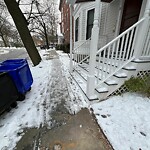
{"x": 116, "y": 54}
{"x": 81, "y": 52}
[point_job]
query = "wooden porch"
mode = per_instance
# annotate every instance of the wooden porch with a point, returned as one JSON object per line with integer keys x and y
{"x": 100, "y": 72}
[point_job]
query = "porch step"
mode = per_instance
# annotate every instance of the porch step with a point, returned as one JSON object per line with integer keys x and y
{"x": 111, "y": 82}
{"x": 143, "y": 63}
{"x": 115, "y": 81}
{"x": 142, "y": 60}
{"x": 129, "y": 68}
{"x": 120, "y": 75}
{"x": 81, "y": 70}
{"x": 81, "y": 82}
{"x": 83, "y": 73}
{"x": 102, "y": 90}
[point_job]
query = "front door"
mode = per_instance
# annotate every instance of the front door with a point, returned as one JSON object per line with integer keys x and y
{"x": 130, "y": 13}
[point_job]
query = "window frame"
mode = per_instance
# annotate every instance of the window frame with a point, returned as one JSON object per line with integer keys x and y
{"x": 89, "y": 26}
{"x": 77, "y": 29}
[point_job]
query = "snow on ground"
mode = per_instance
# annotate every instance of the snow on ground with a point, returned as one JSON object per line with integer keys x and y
{"x": 77, "y": 100}
{"x": 125, "y": 121}
{"x": 29, "y": 112}
{"x": 4, "y": 51}
{"x": 35, "y": 110}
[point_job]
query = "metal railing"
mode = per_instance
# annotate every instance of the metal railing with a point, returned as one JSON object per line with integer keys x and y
{"x": 116, "y": 54}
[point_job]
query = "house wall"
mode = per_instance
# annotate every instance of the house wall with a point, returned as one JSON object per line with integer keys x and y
{"x": 112, "y": 19}
{"x": 103, "y": 20}
{"x": 111, "y": 15}
{"x": 65, "y": 20}
{"x": 81, "y": 10}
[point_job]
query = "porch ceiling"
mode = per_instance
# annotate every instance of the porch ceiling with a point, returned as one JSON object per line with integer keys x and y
{"x": 79, "y": 1}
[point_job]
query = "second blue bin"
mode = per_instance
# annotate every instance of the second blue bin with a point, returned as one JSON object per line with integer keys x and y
{"x": 20, "y": 73}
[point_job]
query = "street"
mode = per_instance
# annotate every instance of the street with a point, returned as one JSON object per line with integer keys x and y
{"x": 15, "y": 53}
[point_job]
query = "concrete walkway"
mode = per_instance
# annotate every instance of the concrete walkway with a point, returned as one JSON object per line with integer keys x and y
{"x": 67, "y": 132}
{"x": 80, "y": 132}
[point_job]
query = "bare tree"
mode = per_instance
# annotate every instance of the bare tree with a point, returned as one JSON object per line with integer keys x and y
{"x": 43, "y": 20}
{"x": 21, "y": 25}
{"x": 4, "y": 25}
{"x": 52, "y": 20}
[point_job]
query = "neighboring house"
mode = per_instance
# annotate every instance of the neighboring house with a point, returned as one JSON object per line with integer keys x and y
{"x": 65, "y": 20}
{"x": 60, "y": 38}
{"x": 111, "y": 44}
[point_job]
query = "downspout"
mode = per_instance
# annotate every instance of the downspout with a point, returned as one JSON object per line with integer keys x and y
{"x": 90, "y": 89}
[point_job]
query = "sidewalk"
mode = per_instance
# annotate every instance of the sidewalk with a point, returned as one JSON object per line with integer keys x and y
{"x": 66, "y": 131}
{"x": 80, "y": 132}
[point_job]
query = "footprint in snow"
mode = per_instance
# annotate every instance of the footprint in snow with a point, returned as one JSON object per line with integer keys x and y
{"x": 104, "y": 116}
{"x": 29, "y": 109}
{"x": 23, "y": 115}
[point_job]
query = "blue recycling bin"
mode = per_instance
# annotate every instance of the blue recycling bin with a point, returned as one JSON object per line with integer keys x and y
{"x": 14, "y": 61}
{"x": 19, "y": 72}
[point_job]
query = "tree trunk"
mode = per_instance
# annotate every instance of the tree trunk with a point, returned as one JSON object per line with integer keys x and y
{"x": 46, "y": 37}
{"x": 21, "y": 25}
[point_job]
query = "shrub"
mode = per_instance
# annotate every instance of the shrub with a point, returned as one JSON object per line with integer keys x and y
{"x": 140, "y": 85}
{"x": 63, "y": 47}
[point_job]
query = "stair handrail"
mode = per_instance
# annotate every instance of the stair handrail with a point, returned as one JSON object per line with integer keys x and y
{"x": 121, "y": 35}
{"x": 79, "y": 56}
{"x": 81, "y": 44}
{"x": 109, "y": 53}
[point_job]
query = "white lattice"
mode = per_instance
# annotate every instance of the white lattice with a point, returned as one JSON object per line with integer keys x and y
{"x": 143, "y": 75}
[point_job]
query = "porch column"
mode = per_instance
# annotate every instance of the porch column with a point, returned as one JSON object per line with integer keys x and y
{"x": 71, "y": 39}
{"x": 142, "y": 31}
{"x": 93, "y": 49}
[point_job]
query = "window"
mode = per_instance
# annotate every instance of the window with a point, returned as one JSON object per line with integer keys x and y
{"x": 90, "y": 20}
{"x": 76, "y": 29}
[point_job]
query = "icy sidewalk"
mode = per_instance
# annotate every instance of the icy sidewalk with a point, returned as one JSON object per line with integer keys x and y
{"x": 49, "y": 89}
{"x": 124, "y": 119}
{"x": 59, "y": 127}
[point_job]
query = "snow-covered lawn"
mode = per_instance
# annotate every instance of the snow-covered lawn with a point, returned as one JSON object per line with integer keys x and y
{"x": 29, "y": 112}
{"x": 125, "y": 121}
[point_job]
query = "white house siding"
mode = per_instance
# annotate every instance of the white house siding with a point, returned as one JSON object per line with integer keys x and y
{"x": 83, "y": 33}
{"x": 80, "y": 10}
{"x": 111, "y": 19}
{"x": 102, "y": 34}
{"x": 85, "y": 8}
{"x": 108, "y": 22}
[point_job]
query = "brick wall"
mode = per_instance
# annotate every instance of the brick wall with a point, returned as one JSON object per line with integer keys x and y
{"x": 65, "y": 20}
